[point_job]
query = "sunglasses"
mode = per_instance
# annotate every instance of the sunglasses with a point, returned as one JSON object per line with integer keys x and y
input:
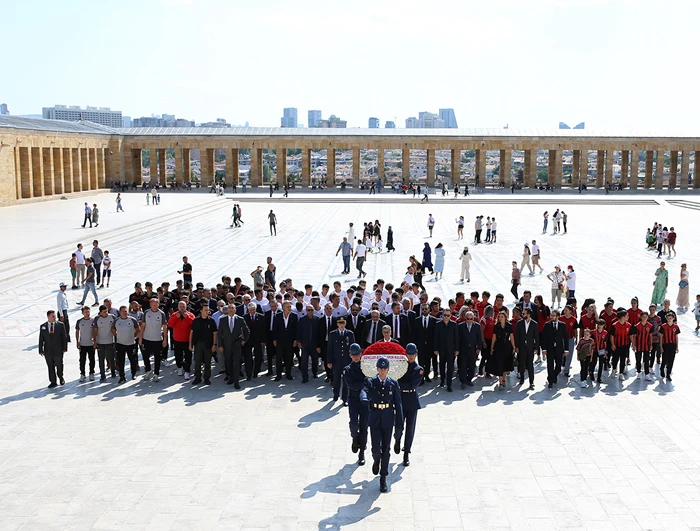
{"x": 470, "y": 318}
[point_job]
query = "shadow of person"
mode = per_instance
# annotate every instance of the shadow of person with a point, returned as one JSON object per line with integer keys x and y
{"x": 320, "y": 415}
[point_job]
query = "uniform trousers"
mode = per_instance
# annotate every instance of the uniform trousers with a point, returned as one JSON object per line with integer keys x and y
{"x": 121, "y": 352}
{"x": 358, "y": 420}
{"x": 668, "y": 357}
{"x": 87, "y": 352}
{"x": 106, "y": 351}
{"x": 54, "y": 363}
{"x": 381, "y": 446}
{"x": 410, "y": 417}
{"x": 643, "y": 357}
{"x": 338, "y": 382}
{"x": 621, "y": 354}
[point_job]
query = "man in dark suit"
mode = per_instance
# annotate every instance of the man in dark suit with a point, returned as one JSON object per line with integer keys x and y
{"x": 555, "y": 345}
{"x": 270, "y": 318}
{"x": 400, "y": 327}
{"x": 233, "y": 334}
{"x": 407, "y": 310}
{"x": 470, "y": 339}
{"x": 526, "y": 344}
{"x": 285, "y": 339}
{"x": 339, "y": 342}
{"x": 423, "y": 330}
{"x": 326, "y": 324}
{"x": 253, "y": 349}
{"x": 354, "y": 322}
{"x": 372, "y": 329}
{"x": 53, "y": 343}
{"x": 307, "y": 336}
{"x": 446, "y": 347}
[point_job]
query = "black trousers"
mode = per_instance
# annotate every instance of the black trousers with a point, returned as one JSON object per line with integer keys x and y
{"x": 183, "y": 355}
{"x": 667, "y": 358}
{"x": 466, "y": 364}
{"x": 477, "y": 237}
{"x": 54, "y": 363}
{"x": 87, "y": 352}
{"x": 338, "y": 382}
{"x": 63, "y": 317}
{"x": 447, "y": 364}
{"x": 258, "y": 353}
{"x": 152, "y": 348}
{"x": 232, "y": 362}
{"x": 98, "y": 269}
{"x": 655, "y": 353}
{"x": 425, "y": 353}
{"x": 271, "y": 354}
{"x": 602, "y": 362}
{"x": 284, "y": 356}
{"x": 306, "y": 354}
{"x": 554, "y": 360}
{"x": 585, "y": 367}
{"x": 410, "y": 417}
{"x": 643, "y": 357}
{"x": 620, "y": 354}
{"x": 324, "y": 358}
{"x": 482, "y": 363}
{"x": 358, "y": 419}
{"x": 514, "y": 288}
{"x": 381, "y": 446}
{"x": 122, "y": 351}
{"x": 526, "y": 363}
{"x": 87, "y": 219}
{"x": 106, "y": 352}
{"x": 202, "y": 356}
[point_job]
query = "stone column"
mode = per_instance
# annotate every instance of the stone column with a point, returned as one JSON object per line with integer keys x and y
{"x": 229, "y": 167}
{"x": 505, "y": 174}
{"x": 67, "y": 171}
{"x": 685, "y": 168}
{"x": 430, "y": 168}
{"x": 49, "y": 184}
{"x": 660, "y": 162}
{"x": 153, "y": 164}
{"x": 696, "y": 169}
{"x": 609, "y": 158}
{"x": 186, "y": 166}
{"x": 455, "y": 166}
{"x": 281, "y": 156}
{"x": 77, "y": 170}
{"x": 673, "y": 170}
{"x": 206, "y": 164}
{"x": 634, "y": 169}
{"x": 380, "y": 163}
{"x": 576, "y": 168}
{"x": 162, "y": 167}
{"x": 405, "y": 165}
{"x": 255, "y": 167}
{"x": 481, "y": 166}
{"x": 58, "y": 175}
{"x": 26, "y": 173}
{"x": 18, "y": 173}
{"x": 38, "y": 171}
{"x": 179, "y": 166}
{"x": 530, "y": 169}
{"x": 93, "y": 168}
{"x": 600, "y": 168}
{"x": 330, "y": 157}
{"x": 648, "y": 169}
{"x": 554, "y": 168}
{"x": 625, "y": 166}
{"x": 305, "y": 167}
{"x": 356, "y": 168}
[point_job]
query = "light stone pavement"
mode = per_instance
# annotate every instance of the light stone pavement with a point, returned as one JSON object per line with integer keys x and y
{"x": 147, "y": 455}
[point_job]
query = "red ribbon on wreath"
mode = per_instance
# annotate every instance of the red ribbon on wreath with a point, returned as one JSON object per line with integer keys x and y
{"x": 384, "y": 347}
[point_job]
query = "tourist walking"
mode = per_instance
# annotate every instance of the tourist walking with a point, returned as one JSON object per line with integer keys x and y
{"x": 465, "y": 258}
{"x": 360, "y": 254}
{"x": 535, "y": 257}
{"x": 390, "y": 239}
{"x": 660, "y": 285}
{"x": 88, "y": 215}
{"x": 460, "y": 227}
{"x": 273, "y": 218}
{"x": 95, "y": 215}
{"x": 558, "y": 282}
{"x": 564, "y": 218}
{"x": 570, "y": 282}
{"x": 546, "y": 221}
{"x": 515, "y": 281}
{"x": 526, "y": 259}
{"x": 683, "y": 299}
{"x": 431, "y": 224}
{"x": 346, "y": 249}
{"x": 119, "y": 203}
{"x": 439, "y": 261}
{"x": 427, "y": 258}
{"x": 494, "y": 226}
{"x": 89, "y": 283}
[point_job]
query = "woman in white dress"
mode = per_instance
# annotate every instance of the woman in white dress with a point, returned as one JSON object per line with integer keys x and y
{"x": 683, "y": 299}
{"x": 465, "y": 258}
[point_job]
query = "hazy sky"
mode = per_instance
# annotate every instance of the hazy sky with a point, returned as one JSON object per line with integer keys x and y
{"x": 615, "y": 64}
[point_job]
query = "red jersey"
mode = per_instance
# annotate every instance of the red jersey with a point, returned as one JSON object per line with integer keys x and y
{"x": 621, "y": 333}
{"x": 643, "y": 336}
{"x": 601, "y": 339}
{"x": 609, "y": 319}
{"x": 587, "y": 322}
{"x": 634, "y": 315}
{"x": 571, "y": 325}
{"x": 514, "y": 321}
{"x": 487, "y": 324}
{"x": 670, "y": 333}
{"x": 656, "y": 328}
{"x": 542, "y": 318}
{"x": 480, "y": 306}
{"x": 497, "y": 310}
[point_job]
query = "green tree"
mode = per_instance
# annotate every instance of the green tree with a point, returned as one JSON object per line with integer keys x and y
{"x": 496, "y": 170}
{"x": 543, "y": 174}
{"x": 294, "y": 152}
{"x": 267, "y": 173}
{"x": 520, "y": 174}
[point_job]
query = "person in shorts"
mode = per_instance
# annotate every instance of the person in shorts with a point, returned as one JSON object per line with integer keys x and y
{"x": 73, "y": 270}
{"x": 106, "y": 269}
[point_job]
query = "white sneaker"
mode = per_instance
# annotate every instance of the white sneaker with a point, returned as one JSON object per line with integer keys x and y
{"x": 180, "y": 371}
{"x": 165, "y": 363}
{"x": 584, "y": 384}
{"x": 639, "y": 375}
{"x": 148, "y": 375}
{"x": 621, "y": 377}
{"x": 648, "y": 378}
{"x": 187, "y": 376}
{"x": 82, "y": 378}
{"x": 92, "y": 377}
{"x": 155, "y": 377}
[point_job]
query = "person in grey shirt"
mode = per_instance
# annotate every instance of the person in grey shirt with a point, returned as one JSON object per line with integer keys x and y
{"x": 89, "y": 283}
{"x": 85, "y": 342}
{"x": 126, "y": 330}
{"x": 96, "y": 256}
{"x": 103, "y": 334}
{"x": 346, "y": 249}
{"x": 153, "y": 337}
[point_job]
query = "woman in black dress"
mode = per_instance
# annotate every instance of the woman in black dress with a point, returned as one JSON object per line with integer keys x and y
{"x": 377, "y": 231}
{"x": 501, "y": 360}
{"x": 390, "y": 240}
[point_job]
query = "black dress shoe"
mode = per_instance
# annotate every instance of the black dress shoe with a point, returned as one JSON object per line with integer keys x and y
{"x": 361, "y": 458}
{"x": 305, "y": 381}
{"x": 335, "y": 399}
{"x": 62, "y": 381}
{"x": 345, "y": 404}
{"x": 207, "y": 382}
{"x": 462, "y": 385}
{"x": 522, "y": 380}
{"x": 230, "y": 382}
{"x": 196, "y": 381}
{"x": 397, "y": 446}
{"x": 428, "y": 379}
{"x": 355, "y": 445}
{"x": 327, "y": 379}
{"x": 382, "y": 485}
{"x": 269, "y": 373}
{"x": 532, "y": 387}
{"x": 52, "y": 385}
{"x": 406, "y": 462}
{"x": 470, "y": 383}
{"x": 290, "y": 377}
{"x": 449, "y": 389}
{"x": 315, "y": 375}
{"x": 249, "y": 378}
{"x": 442, "y": 384}
{"x": 375, "y": 465}
{"x": 550, "y": 385}
{"x": 225, "y": 379}
{"x": 236, "y": 386}
{"x": 278, "y": 378}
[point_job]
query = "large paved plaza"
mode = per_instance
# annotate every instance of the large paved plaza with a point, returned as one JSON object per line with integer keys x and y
{"x": 276, "y": 455}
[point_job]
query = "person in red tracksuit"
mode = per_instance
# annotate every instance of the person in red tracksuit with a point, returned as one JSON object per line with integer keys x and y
{"x": 642, "y": 344}
{"x": 669, "y": 345}
{"x": 620, "y": 343}
{"x": 600, "y": 336}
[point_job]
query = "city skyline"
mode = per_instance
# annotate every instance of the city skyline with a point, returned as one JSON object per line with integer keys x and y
{"x": 507, "y": 80}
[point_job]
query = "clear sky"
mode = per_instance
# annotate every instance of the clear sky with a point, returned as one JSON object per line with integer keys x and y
{"x": 617, "y": 65}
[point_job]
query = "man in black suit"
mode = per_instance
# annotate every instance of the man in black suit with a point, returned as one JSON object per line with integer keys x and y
{"x": 270, "y": 317}
{"x": 233, "y": 334}
{"x": 307, "y": 336}
{"x": 446, "y": 347}
{"x": 354, "y": 322}
{"x": 423, "y": 330}
{"x": 326, "y": 324}
{"x": 407, "y": 310}
{"x": 253, "y": 349}
{"x": 285, "y": 339}
{"x": 555, "y": 345}
{"x": 400, "y": 327}
{"x": 526, "y": 344}
{"x": 339, "y": 342}
{"x": 470, "y": 339}
{"x": 53, "y": 343}
{"x": 372, "y": 329}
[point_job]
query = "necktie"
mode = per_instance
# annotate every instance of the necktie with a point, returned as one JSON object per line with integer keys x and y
{"x": 230, "y": 323}
{"x": 342, "y": 334}
{"x": 272, "y": 317}
{"x": 51, "y": 330}
{"x": 354, "y": 322}
{"x": 425, "y": 322}
{"x": 328, "y": 326}
{"x": 396, "y": 327}
{"x": 372, "y": 332}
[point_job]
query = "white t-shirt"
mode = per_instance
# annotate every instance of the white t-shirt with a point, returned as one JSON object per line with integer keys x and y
{"x": 360, "y": 250}
{"x": 571, "y": 281}
{"x": 535, "y": 250}
{"x": 493, "y": 226}
{"x": 79, "y": 257}
{"x": 408, "y": 278}
{"x": 106, "y": 262}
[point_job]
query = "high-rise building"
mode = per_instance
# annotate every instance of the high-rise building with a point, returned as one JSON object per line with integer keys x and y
{"x": 126, "y": 121}
{"x": 374, "y": 123}
{"x": 448, "y": 116}
{"x": 334, "y": 123}
{"x": 289, "y": 117}
{"x": 389, "y": 125}
{"x": 3, "y": 109}
{"x": 314, "y": 118}
{"x": 425, "y": 120}
{"x": 582, "y": 125}
{"x": 73, "y": 113}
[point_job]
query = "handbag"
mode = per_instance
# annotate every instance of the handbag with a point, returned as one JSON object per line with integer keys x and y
{"x": 683, "y": 284}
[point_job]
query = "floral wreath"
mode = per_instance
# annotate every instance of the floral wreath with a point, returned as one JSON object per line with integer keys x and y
{"x": 384, "y": 347}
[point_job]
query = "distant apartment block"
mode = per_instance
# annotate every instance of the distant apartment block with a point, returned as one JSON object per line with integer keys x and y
{"x": 425, "y": 120}
{"x": 289, "y": 117}
{"x": 3, "y": 109}
{"x": 127, "y": 121}
{"x": 448, "y": 116}
{"x": 220, "y": 122}
{"x": 314, "y": 118}
{"x": 73, "y": 113}
{"x": 333, "y": 122}
{"x": 374, "y": 123}
{"x": 389, "y": 125}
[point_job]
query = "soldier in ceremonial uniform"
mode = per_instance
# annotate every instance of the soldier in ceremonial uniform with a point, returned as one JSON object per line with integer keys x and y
{"x": 383, "y": 397}
{"x": 354, "y": 381}
{"x": 409, "y": 398}
{"x": 338, "y": 356}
